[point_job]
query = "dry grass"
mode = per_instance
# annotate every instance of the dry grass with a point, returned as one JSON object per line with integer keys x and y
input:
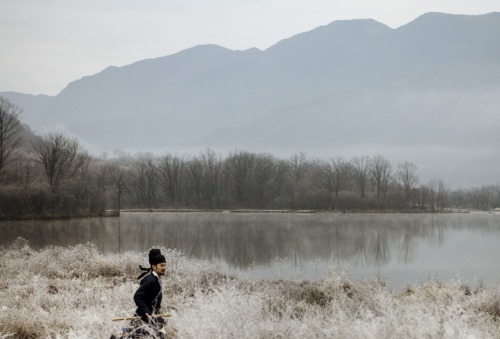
{"x": 74, "y": 292}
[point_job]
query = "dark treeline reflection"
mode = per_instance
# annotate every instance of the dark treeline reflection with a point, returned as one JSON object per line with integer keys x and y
{"x": 245, "y": 239}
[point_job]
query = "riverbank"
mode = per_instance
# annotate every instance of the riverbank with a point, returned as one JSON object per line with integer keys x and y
{"x": 103, "y": 214}
{"x": 75, "y": 291}
{"x": 116, "y": 213}
{"x": 285, "y": 211}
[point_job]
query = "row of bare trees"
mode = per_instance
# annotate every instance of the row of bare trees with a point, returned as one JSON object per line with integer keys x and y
{"x": 46, "y": 177}
{"x": 261, "y": 181}
{"x": 55, "y": 177}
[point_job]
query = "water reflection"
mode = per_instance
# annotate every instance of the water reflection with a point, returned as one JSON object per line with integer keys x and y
{"x": 364, "y": 242}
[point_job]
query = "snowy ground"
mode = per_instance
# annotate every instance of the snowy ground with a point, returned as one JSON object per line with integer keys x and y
{"x": 74, "y": 292}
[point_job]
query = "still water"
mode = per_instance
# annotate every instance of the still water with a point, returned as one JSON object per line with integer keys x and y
{"x": 401, "y": 248}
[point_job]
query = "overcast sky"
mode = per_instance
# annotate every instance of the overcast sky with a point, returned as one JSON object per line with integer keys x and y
{"x": 45, "y": 44}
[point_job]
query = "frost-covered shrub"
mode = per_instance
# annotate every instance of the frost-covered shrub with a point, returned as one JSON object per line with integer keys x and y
{"x": 73, "y": 292}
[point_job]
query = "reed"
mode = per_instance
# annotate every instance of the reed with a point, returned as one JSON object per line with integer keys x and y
{"x": 75, "y": 292}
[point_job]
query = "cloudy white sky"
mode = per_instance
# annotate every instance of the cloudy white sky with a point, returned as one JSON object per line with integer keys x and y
{"x": 46, "y": 44}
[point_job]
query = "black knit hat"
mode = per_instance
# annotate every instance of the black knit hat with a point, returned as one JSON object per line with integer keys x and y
{"x": 155, "y": 258}
{"x": 152, "y": 254}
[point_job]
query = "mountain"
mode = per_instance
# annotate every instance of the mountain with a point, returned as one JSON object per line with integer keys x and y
{"x": 427, "y": 92}
{"x": 32, "y": 105}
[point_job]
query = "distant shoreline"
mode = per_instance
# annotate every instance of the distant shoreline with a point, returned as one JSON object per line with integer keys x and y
{"x": 279, "y": 211}
{"x": 115, "y": 213}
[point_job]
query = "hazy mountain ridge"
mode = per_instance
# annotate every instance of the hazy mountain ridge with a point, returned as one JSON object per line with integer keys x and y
{"x": 32, "y": 106}
{"x": 409, "y": 71}
{"x": 431, "y": 83}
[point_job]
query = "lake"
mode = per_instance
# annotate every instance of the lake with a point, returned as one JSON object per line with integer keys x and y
{"x": 401, "y": 248}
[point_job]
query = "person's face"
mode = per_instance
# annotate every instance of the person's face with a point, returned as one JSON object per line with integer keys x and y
{"x": 160, "y": 268}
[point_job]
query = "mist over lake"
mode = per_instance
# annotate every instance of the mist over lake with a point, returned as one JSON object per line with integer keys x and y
{"x": 401, "y": 248}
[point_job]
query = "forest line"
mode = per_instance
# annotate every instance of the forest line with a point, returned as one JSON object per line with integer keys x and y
{"x": 53, "y": 176}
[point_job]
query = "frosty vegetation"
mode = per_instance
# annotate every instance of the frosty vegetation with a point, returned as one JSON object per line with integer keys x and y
{"x": 74, "y": 292}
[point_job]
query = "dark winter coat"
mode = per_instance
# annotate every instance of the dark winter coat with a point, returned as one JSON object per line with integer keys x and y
{"x": 148, "y": 296}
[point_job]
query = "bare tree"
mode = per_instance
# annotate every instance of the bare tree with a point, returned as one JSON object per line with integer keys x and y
{"x": 238, "y": 170}
{"x": 336, "y": 174}
{"x": 433, "y": 195}
{"x": 90, "y": 186}
{"x": 361, "y": 173}
{"x": 204, "y": 175}
{"x": 118, "y": 176}
{"x": 481, "y": 198}
{"x": 144, "y": 183}
{"x": 342, "y": 171}
{"x": 212, "y": 167}
{"x": 280, "y": 170}
{"x": 407, "y": 175}
{"x": 263, "y": 173}
{"x": 496, "y": 189}
{"x": 25, "y": 171}
{"x": 298, "y": 165}
{"x": 325, "y": 177}
{"x": 171, "y": 171}
{"x": 442, "y": 195}
{"x": 60, "y": 156}
{"x": 9, "y": 127}
{"x": 427, "y": 195}
{"x": 195, "y": 175}
{"x": 381, "y": 173}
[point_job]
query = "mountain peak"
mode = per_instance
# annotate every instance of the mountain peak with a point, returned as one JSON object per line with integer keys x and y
{"x": 359, "y": 23}
{"x": 438, "y": 18}
{"x": 337, "y": 32}
{"x": 437, "y": 26}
